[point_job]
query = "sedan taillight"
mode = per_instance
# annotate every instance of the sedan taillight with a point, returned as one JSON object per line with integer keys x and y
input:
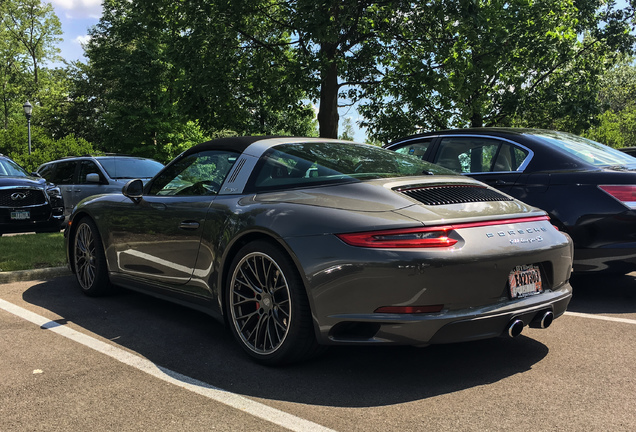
{"x": 626, "y": 194}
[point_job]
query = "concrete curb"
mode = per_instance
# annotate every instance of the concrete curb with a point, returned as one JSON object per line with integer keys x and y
{"x": 26, "y": 275}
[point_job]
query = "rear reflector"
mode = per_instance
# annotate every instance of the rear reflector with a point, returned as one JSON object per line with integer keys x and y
{"x": 410, "y": 309}
{"x": 626, "y": 194}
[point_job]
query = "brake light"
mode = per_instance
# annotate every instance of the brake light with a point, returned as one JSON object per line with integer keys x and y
{"x": 401, "y": 238}
{"x": 626, "y": 194}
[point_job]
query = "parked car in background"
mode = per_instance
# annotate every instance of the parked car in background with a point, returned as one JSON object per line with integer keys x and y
{"x": 84, "y": 176}
{"x": 27, "y": 201}
{"x": 629, "y": 150}
{"x": 588, "y": 189}
{"x": 303, "y": 242}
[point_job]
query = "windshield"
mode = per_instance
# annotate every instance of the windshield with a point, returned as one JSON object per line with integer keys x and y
{"x": 587, "y": 150}
{"x": 119, "y": 167}
{"x": 8, "y": 168}
{"x": 305, "y": 164}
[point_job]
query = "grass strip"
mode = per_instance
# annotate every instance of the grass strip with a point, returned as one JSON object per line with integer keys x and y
{"x": 32, "y": 251}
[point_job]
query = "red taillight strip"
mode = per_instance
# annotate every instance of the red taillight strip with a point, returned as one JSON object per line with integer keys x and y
{"x": 500, "y": 222}
{"x": 424, "y": 237}
{"x": 412, "y": 238}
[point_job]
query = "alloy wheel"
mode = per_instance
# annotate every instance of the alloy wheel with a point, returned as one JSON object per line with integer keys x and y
{"x": 85, "y": 256}
{"x": 260, "y": 303}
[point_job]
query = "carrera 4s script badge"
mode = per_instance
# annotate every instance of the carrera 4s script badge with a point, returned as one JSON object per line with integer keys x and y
{"x": 520, "y": 235}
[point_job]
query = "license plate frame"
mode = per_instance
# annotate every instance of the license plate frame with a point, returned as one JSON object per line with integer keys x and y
{"x": 524, "y": 281}
{"x": 20, "y": 215}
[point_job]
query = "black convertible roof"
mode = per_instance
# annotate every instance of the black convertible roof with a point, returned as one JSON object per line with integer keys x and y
{"x": 237, "y": 144}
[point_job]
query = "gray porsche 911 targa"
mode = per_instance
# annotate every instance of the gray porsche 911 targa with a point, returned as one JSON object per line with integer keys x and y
{"x": 298, "y": 243}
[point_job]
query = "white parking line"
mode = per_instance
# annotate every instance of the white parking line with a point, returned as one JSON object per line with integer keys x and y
{"x": 242, "y": 403}
{"x": 601, "y": 317}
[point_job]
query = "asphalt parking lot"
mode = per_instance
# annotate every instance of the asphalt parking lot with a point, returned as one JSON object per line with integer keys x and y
{"x": 134, "y": 363}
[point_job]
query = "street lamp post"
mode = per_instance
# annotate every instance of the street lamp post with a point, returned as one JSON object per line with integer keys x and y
{"x": 28, "y": 108}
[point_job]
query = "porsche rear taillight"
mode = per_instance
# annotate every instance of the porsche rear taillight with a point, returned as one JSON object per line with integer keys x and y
{"x": 401, "y": 238}
{"x": 626, "y": 194}
{"x": 423, "y": 237}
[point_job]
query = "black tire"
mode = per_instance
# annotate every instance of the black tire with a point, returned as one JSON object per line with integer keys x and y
{"x": 89, "y": 260}
{"x": 267, "y": 306}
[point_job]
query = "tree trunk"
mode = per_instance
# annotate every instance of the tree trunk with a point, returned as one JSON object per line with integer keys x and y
{"x": 328, "y": 111}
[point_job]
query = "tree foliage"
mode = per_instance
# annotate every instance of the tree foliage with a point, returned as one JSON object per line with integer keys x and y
{"x": 14, "y": 142}
{"x": 496, "y": 62}
{"x": 29, "y": 32}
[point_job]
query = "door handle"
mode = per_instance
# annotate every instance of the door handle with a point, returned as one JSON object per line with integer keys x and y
{"x": 189, "y": 225}
{"x": 502, "y": 183}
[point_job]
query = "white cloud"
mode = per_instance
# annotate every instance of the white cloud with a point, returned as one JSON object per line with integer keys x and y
{"x": 79, "y": 9}
{"x": 82, "y": 40}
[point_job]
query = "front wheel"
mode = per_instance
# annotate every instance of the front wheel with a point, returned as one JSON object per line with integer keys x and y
{"x": 267, "y": 306}
{"x": 89, "y": 260}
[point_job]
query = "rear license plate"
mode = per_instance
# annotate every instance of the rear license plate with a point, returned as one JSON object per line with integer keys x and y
{"x": 524, "y": 281}
{"x": 20, "y": 215}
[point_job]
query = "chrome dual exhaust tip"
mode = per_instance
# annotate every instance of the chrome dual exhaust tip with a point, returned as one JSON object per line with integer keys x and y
{"x": 515, "y": 328}
{"x": 543, "y": 320}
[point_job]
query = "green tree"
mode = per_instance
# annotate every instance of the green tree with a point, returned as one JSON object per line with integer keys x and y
{"x": 159, "y": 70}
{"x": 497, "y": 62}
{"x": 615, "y": 128}
{"x": 13, "y": 143}
{"x": 347, "y": 130}
{"x": 35, "y": 27}
{"x": 338, "y": 47}
{"x": 29, "y": 32}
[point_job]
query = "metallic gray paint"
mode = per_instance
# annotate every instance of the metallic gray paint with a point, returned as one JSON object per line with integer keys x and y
{"x": 149, "y": 249}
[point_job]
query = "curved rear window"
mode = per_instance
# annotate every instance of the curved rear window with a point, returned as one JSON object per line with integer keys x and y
{"x": 130, "y": 168}
{"x": 589, "y": 151}
{"x": 311, "y": 164}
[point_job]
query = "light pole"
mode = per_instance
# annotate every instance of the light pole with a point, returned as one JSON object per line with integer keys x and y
{"x": 28, "y": 108}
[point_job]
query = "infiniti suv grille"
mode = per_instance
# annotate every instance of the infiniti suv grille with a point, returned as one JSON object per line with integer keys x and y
{"x": 21, "y": 197}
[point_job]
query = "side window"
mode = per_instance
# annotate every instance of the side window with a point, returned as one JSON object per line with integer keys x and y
{"x": 478, "y": 155}
{"x": 46, "y": 172}
{"x": 63, "y": 173}
{"x": 197, "y": 174}
{"x": 87, "y": 167}
{"x": 416, "y": 149}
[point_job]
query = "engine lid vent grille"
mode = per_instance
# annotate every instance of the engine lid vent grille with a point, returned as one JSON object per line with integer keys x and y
{"x": 452, "y": 194}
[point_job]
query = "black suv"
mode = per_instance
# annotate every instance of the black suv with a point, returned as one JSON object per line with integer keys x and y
{"x": 27, "y": 201}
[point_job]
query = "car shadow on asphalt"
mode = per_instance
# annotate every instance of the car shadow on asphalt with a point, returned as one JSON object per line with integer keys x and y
{"x": 195, "y": 345}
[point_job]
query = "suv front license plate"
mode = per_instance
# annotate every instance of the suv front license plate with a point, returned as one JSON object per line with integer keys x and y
{"x": 20, "y": 215}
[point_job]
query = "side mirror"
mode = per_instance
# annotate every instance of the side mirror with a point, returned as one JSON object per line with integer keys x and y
{"x": 134, "y": 190}
{"x": 93, "y": 178}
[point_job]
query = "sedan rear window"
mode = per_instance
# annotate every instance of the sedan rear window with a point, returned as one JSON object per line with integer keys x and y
{"x": 587, "y": 150}
{"x": 130, "y": 168}
{"x": 303, "y": 164}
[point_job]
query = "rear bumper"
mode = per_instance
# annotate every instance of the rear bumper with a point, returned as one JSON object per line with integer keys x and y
{"x": 448, "y": 327}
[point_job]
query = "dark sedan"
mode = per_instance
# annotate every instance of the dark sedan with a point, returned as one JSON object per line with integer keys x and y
{"x": 588, "y": 189}
{"x": 27, "y": 201}
{"x": 299, "y": 242}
